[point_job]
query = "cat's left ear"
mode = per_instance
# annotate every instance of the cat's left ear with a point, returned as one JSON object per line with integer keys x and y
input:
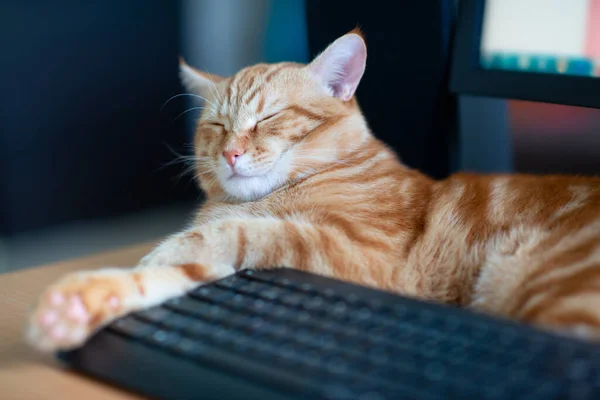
{"x": 196, "y": 81}
{"x": 341, "y": 66}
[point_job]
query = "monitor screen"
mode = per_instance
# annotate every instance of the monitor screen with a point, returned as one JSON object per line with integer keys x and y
{"x": 542, "y": 36}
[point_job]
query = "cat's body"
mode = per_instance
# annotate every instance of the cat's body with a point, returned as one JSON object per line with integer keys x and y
{"x": 294, "y": 178}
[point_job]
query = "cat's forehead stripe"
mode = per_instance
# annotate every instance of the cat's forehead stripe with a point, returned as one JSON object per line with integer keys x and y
{"x": 261, "y": 105}
{"x": 274, "y": 72}
{"x": 244, "y": 84}
{"x": 251, "y": 95}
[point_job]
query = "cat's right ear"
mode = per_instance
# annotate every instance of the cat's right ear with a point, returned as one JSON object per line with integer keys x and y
{"x": 341, "y": 66}
{"x": 195, "y": 81}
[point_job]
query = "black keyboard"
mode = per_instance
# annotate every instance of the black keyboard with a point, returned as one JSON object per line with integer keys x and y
{"x": 288, "y": 334}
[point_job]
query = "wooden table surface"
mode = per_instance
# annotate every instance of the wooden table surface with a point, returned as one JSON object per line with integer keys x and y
{"x": 26, "y": 374}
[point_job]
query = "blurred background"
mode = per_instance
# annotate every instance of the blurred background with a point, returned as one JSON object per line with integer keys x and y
{"x": 87, "y": 143}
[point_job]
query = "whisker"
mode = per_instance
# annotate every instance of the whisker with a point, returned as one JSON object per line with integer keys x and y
{"x": 171, "y": 149}
{"x": 188, "y": 110}
{"x": 178, "y": 157}
{"x": 206, "y": 100}
{"x": 179, "y": 95}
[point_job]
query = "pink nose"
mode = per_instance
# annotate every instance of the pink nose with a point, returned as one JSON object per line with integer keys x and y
{"x": 231, "y": 156}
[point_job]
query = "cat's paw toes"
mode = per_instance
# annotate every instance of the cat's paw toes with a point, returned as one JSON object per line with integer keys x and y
{"x": 65, "y": 318}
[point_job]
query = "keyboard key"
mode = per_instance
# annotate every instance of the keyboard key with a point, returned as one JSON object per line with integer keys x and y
{"x": 337, "y": 365}
{"x": 304, "y": 336}
{"x": 303, "y": 317}
{"x": 288, "y": 351}
{"x": 131, "y": 327}
{"x": 282, "y": 281}
{"x": 200, "y": 328}
{"x": 327, "y": 341}
{"x": 352, "y": 298}
{"x": 154, "y": 314}
{"x": 255, "y": 323}
{"x": 189, "y": 348}
{"x": 272, "y": 293}
{"x": 232, "y": 283}
{"x": 278, "y": 331}
{"x": 177, "y": 321}
{"x": 311, "y": 358}
{"x": 378, "y": 355}
{"x": 256, "y": 305}
{"x": 212, "y": 293}
{"x": 193, "y": 307}
{"x": 241, "y": 343}
{"x": 255, "y": 288}
{"x": 313, "y": 303}
{"x": 264, "y": 348}
{"x": 222, "y": 335}
{"x": 260, "y": 274}
{"x": 164, "y": 338}
{"x": 339, "y": 309}
{"x": 240, "y": 319}
{"x": 306, "y": 287}
{"x": 293, "y": 299}
{"x": 239, "y": 300}
{"x": 279, "y": 311}
{"x": 361, "y": 314}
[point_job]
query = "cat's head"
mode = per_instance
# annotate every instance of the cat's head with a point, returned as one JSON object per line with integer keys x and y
{"x": 273, "y": 123}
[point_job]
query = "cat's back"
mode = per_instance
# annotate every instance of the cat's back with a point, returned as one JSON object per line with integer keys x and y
{"x": 503, "y": 200}
{"x": 473, "y": 220}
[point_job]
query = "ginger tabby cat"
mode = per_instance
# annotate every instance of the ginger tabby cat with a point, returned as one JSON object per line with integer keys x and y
{"x": 294, "y": 177}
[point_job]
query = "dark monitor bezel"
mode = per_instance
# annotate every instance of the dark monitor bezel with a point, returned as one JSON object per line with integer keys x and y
{"x": 468, "y": 77}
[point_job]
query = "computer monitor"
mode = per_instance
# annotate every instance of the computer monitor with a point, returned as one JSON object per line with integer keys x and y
{"x": 539, "y": 50}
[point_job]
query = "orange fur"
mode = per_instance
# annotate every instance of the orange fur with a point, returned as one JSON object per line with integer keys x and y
{"x": 313, "y": 189}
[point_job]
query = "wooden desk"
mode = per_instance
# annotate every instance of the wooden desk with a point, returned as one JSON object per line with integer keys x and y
{"x": 26, "y": 374}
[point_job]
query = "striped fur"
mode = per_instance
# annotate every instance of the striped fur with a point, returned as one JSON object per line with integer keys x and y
{"x": 313, "y": 189}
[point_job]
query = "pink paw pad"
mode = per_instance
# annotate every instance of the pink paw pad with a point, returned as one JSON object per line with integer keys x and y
{"x": 76, "y": 310}
{"x": 56, "y": 299}
{"x": 58, "y": 332}
{"x": 49, "y": 318}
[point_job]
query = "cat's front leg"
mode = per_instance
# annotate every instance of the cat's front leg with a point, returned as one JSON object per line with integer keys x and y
{"x": 79, "y": 304}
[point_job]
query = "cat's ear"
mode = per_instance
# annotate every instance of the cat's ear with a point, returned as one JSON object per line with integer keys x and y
{"x": 341, "y": 66}
{"x": 195, "y": 81}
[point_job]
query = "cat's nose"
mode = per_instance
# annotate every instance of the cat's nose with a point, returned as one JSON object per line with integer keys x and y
{"x": 231, "y": 156}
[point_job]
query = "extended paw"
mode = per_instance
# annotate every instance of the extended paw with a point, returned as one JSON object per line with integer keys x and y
{"x": 70, "y": 311}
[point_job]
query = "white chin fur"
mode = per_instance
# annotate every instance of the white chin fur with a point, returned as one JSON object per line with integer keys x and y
{"x": 255, "y": 187}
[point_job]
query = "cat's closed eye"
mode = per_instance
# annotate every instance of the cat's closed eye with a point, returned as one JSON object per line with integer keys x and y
{"x": 267, "y": 118}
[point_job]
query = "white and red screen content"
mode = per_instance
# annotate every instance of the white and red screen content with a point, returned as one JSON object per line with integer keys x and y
{"x": 545, "y": 36}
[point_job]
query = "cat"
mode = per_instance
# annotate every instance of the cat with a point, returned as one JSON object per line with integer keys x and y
{"x": 293, "y": 176}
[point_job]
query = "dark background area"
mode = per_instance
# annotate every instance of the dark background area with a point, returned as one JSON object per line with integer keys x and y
{"x": 82, "y": 86}
{"x": 404, "y": 93}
